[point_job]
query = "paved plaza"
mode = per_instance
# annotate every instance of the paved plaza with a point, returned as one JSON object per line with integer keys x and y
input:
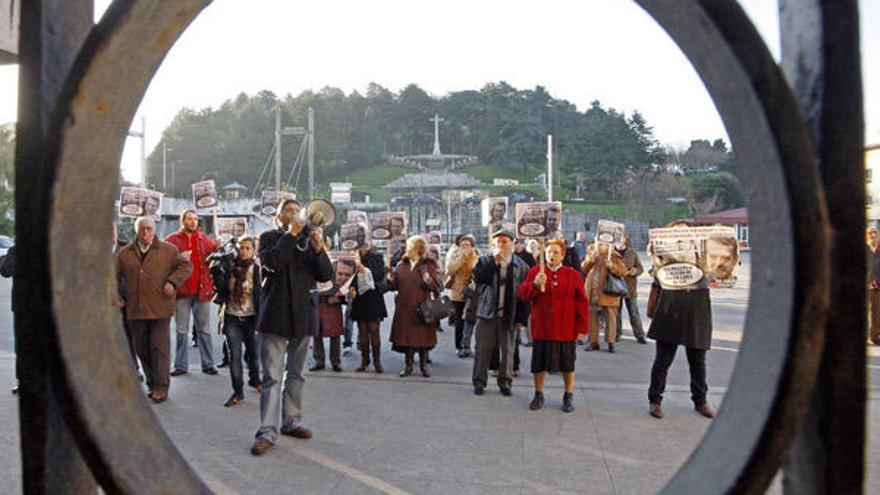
{"x": 379, "y": 434}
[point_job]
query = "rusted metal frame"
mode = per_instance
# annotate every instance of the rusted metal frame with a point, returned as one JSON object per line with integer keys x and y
{"x": 822, "y": 59}
{"x": 51, "y": 33}
{"x": 117, "y": 432}
{"x": 770, "y": 387}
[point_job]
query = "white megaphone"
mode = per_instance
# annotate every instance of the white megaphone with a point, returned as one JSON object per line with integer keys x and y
{"x": 317, "y": 214}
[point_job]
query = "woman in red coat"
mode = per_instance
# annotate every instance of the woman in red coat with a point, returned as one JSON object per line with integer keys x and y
{"x": 560, "y": 315}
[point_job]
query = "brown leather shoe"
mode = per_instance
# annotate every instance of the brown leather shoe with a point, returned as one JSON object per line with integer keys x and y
{"x": 655, "y": 410}
{"x": 261, "y": 446}
{"x": 210, "y": 371}
{"x": 705, "y": 409}
{"x": 234, "y": 400}
{"x": 298, "y": 432}
{"x": 160, "y": 396}
{"x": 178, "y": 372}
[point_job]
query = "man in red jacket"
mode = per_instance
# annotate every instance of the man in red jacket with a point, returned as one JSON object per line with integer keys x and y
{"x": 194, "y": 296}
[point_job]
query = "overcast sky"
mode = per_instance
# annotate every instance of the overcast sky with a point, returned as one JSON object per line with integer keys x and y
{"x": 606, "y": 50}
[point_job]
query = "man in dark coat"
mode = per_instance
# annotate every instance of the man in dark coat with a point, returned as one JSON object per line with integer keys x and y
{"x": 498, "y": 274}
{"x": 368, "y": 305}
{"x": 634, "y": 268}
{"x": 294, "y": 260}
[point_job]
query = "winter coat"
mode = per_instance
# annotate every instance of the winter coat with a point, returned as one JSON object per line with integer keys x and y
{"x": 460, "y": 268}
{"x": 487, "y": 276}
{"x": 330, "y": 313}
{"x": 631, "y": 260}
{"x": 144, "y": 279}
{"x": 223, "y": 292}
{"x": 291, "y": 270}
{"x": 562, "y": 311}
{"x": 683, "y": 317}
{"x": 200, "y": 246}
{"x": 370, "y": 305}
{"x": 526, "y": 256}
{"x": 597, "y": 272}
{"x": 873, "y": 268}
{"x": 413, "y": 287}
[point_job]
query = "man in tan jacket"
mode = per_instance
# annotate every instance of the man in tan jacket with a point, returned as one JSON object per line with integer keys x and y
{"x": 151, "y": 271}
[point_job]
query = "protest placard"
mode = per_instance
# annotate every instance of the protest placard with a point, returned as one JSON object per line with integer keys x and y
{"x": 358, "y": 216}
{"x": 694, "y": 257}
{"x": 612, "y": 233}
{"x": 270, "y": 199}
{"x": 541, "y": 219}
{"x": 136, "y": 202}
{"x": 229, "y": 227}
{"x": 388, "y": 225}
{"x": 204, "y": 195}
{"x": 352, "y": 236}
{"x": 344, "y": 267}
{"x": 493, "y": 210}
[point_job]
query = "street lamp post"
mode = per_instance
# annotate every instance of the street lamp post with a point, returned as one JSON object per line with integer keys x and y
{"x": 165, "y": 150}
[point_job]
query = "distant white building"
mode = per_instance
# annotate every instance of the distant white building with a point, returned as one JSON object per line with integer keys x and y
{"x": 872, "y": 183}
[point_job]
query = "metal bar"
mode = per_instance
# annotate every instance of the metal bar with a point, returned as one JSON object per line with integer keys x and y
{"x": 822, "y": 61}
{"x": 51, "y": 34}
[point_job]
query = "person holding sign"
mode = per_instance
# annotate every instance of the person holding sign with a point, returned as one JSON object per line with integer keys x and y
{"x": 368, "y": 305}
{"x": 601, "y": 261}
{"x": 498, "y": 274}
{"x": 460, "y": 262}
{"x": 681, "y": 317}
{"x": 330, "y": 324}
{"x": 560, "y": 314}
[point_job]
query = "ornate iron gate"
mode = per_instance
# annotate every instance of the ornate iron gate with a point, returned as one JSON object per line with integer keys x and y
{"x": 83, "y": 417}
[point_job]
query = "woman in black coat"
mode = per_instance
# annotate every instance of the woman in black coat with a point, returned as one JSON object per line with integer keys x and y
{"x": 368, "y": 305}
{"x": 682, "y": 317}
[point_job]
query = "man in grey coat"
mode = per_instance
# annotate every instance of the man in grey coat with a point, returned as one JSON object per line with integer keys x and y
{"x": 498, "y": 275}
{"x": 293, "y": 261}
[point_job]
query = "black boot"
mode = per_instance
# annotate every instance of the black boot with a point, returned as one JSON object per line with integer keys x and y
{"x": 407, "y": 368}
{"x": 567, "y": 406}
{"x": 377, "y": 352}
{"x": 423, "y": 363}
{"x": 537, "y": 402}
{"x": 364, "y": 346}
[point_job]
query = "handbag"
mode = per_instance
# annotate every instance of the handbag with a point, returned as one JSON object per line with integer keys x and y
{"x": 434, "y": 309}
{"x": 615, "y": 286}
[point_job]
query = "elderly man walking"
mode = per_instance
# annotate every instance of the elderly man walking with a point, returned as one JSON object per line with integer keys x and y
{"x": 193, "y": 296}
{"x": 151, "y": 270}
{"x": 633, "y": 270}
{"x": 498, "y": 274}
{"x": 294, "y": 261}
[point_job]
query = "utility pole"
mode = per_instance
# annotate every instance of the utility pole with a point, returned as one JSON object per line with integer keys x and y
{"x": 165, "y": 150}
{"x": 143, "y": 137}
{"x": 278, "y": 148}
{"x": 549, "y": 167}
{"x": 311, "y": 153}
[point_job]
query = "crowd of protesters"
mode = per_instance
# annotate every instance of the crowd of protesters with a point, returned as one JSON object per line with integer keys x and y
{"x": 280, "y": 295}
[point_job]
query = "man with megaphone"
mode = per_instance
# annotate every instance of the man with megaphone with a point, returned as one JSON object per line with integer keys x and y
{"x": 294, "y": 261}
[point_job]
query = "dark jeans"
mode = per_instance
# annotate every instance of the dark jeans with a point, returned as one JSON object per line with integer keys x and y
{"x": 335, "y": 358}
{"x": 153, "y": 343}
{"x": 635, "y": 320}
{"x": 459, "y": 324}
{"x": 240, "y": 330}
{"x": 348, "y": 326}
{"x": 663, "y": 359}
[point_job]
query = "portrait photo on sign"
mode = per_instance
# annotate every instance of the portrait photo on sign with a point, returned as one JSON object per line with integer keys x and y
{"x": 344, "y": 267}
{"x": 434, "y": 237}
{"x": 230, "y": 227}
{"x": 493, "y": 210}
{"x": 357, "y": 216}
{"x": 204, "y": 195}
{"x": 152, "y": 204}
{"x": 352, "y": 236}
{"x": 270, "y": 199}
{"x": 387, "y": 225}
{"x": 612, "y": 233}
{"x": 693, "y": 257}
{"x": 541, "y": 219}
{"x": 131, "y": 203}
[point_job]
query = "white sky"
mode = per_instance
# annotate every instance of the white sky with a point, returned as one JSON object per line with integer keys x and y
{"x": 608, "y": 50}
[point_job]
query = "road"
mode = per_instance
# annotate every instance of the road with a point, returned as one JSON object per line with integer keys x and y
{"x": 379, "y": 434}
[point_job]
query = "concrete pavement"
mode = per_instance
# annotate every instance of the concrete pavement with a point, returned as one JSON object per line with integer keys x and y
{"x": 382, "y": 434}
